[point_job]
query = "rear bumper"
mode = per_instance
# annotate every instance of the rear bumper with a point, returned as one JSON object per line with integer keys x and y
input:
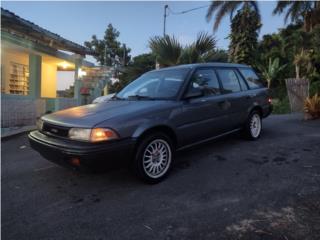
{"x": 63, "y": 151}
{"x": 267, "y": 110}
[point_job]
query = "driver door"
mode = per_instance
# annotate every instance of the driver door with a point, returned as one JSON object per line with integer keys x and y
{"x": 203, "y": 116}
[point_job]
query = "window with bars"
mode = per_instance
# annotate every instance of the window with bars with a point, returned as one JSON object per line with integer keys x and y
{"x": 19, "y": 79}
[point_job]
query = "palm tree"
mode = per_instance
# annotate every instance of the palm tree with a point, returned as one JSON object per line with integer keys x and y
{"x": 167, "y": 50}
{"x": 223, "y": 8}
{"x": 307, "y": 11}
{"x": 170, "y": 52}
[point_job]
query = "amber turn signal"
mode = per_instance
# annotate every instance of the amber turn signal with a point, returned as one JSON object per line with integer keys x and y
{"x": 102, "y": 134}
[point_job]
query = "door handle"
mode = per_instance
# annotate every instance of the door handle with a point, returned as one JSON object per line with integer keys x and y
{"x": 225, "y": 104}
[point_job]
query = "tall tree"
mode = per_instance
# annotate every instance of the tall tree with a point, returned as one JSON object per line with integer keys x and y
{"x": 136, "y": 67}
{"x": 306, "y": 11}
{"x": 109, "y": 50}
{"x": 223, "y": 8}
{"x": 220, "y": 55}
{"x": 244, "y": 36}
{"x": 270, "y": 46}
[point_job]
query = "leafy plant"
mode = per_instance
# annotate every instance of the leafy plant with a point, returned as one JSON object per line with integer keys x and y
{"x": 314, "y": 88}
{"x": 281, "y": 106}
{"x": 312, "y": 106}
{"x": 271, "y": 71}
{"x": 306, "y": 11}
{"x": 302, "y": 61}
{"x": 167, "y": 49}
{"x": 222, "y": 8}
{"x": 170, "y": 52}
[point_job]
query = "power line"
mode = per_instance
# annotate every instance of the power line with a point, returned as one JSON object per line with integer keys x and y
{"x": 186, "y": 11}
{"x": 166, "y": 14}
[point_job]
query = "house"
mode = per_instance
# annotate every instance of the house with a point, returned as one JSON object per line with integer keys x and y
{"x": 31, "y": 59}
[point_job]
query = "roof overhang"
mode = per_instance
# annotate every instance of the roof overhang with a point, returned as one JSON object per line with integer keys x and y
{"x": 23, "y": 28}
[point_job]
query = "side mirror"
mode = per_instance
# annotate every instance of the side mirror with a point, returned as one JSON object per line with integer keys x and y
{"x": 196, "y": 92}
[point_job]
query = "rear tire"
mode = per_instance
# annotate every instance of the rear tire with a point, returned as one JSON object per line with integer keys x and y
{"x": 253, "y": 126}
{"x": 153, "y": 158}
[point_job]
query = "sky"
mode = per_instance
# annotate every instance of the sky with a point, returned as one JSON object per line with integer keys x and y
{"x": 137, "y": 22}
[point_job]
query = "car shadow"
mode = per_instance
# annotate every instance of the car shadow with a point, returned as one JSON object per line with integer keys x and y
{"x": 182, "y": 158}
{"x": 203, "y": 149}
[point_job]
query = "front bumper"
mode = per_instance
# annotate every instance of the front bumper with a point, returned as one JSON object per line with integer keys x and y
{"x": 64, "y": 151}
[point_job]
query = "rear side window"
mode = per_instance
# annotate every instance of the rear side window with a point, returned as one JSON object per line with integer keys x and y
{"x": 243, "y": 85}
{"x": 229, "y": 80}
{"x": 207, "y": 80}
{"x": 251, "y": 77}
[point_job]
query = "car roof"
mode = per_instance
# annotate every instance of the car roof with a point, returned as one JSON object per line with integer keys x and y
{"x": 213, "y": 64}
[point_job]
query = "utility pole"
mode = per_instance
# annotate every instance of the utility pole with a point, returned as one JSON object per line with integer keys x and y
{"x": 124, "y": 54}
{"x": 106, "y": 54}
{"x": 164, "y": 19}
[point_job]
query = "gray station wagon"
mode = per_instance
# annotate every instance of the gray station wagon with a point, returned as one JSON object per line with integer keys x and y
{"x": 161, "y": 112}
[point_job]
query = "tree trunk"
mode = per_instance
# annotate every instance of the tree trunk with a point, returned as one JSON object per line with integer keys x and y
{"x": 297, "y": 71}
{"x": 269, "y": 83}
{"x": 307, "y": 21}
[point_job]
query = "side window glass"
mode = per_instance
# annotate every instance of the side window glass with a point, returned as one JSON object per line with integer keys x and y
{"x": 251, "y": 78}
{"x": 229, "y": 80}
{"x": 243, "y": 85}
{"x": 206, "y": 80}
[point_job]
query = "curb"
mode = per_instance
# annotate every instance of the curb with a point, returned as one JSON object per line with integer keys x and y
{"x": 18, "y": 131}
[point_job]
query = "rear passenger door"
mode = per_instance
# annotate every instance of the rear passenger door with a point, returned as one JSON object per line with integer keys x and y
{"x": 234, "y": 91}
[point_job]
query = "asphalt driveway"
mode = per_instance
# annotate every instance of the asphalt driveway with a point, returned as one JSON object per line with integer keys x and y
{"x": 227, "y": 189}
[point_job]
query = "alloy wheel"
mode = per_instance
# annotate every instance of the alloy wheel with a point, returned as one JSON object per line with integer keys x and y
{"x": 157, "y": 158}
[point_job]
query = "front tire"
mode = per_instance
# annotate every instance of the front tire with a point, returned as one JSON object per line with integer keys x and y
{"x": 253, "y": 126}
{"x": 153, "y": 158}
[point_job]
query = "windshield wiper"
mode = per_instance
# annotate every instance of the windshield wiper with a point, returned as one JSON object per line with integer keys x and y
{"x": 117, "y": 98}
{"x": 141, "y": 97}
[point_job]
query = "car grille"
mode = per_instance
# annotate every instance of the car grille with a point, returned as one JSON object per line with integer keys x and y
{"x": 55, "y": 130}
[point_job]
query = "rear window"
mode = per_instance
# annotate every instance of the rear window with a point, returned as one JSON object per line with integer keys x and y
{"x": 251, "y": 78}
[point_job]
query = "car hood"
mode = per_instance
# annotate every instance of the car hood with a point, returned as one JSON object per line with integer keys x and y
{"x": 92, "y": 114}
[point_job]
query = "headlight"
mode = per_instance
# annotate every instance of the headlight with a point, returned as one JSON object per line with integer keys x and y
{"x": 80, "y": 134}
{"x": 39, "y": 124}
{"x": 92, "y": 135}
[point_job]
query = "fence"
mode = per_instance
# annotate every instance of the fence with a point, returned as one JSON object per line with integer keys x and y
{"x": 16, "y": 112}
{"x": 21, "y": 112}
{"x": 298, "y": 90}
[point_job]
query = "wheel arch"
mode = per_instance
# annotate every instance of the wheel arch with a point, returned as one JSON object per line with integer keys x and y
{"x": 157, "y": 128}
{"x": 257, "y": 108}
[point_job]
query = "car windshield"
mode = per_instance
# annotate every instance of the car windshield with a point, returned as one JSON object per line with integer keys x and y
{"x": 163, "y": 84}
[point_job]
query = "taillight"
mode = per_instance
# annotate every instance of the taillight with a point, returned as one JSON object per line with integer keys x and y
{"x": 269, "y": 100}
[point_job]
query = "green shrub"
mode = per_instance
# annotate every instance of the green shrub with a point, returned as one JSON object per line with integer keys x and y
{"x": 314, "y": 88}
{"x": 279, "y": 93}
{"x": 281, "y": 106}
